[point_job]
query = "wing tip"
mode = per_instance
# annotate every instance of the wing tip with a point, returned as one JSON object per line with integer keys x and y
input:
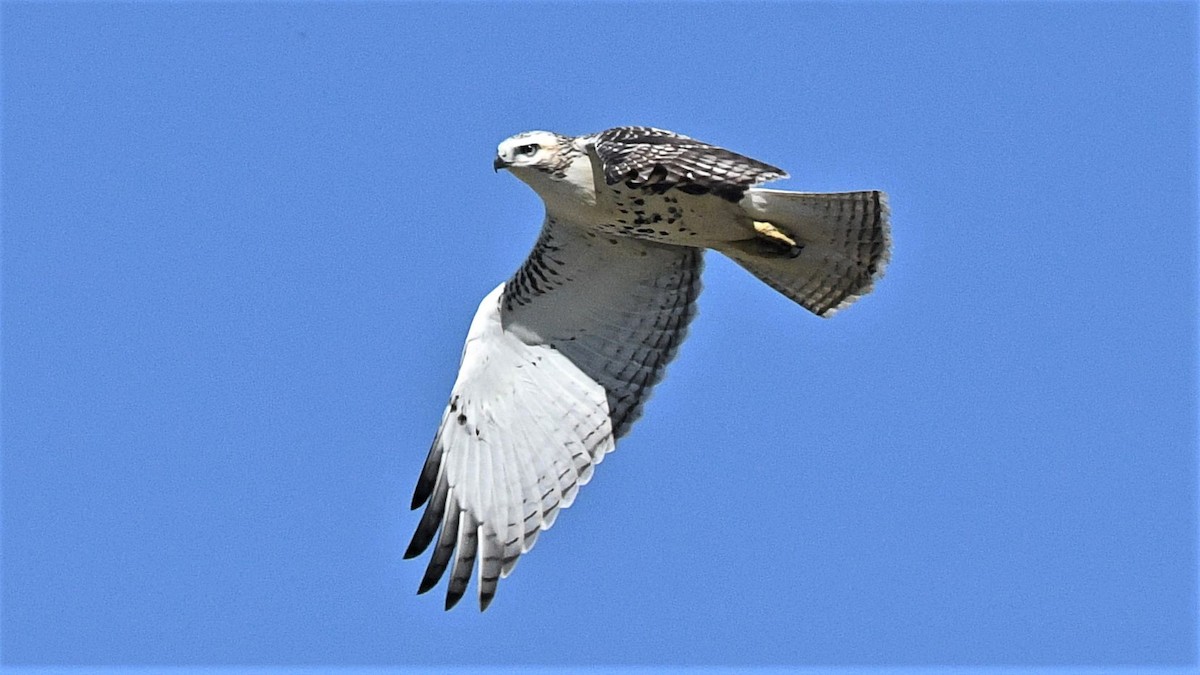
{"x": 485, "y": 599}
{"x": 455, "y": 591}
{"x": 418, "y": 499}
{"x": 413, "y": 550}
{"x": 427, "y": 584}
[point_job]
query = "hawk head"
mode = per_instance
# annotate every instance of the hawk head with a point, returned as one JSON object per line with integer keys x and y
{"x": 555, "y": 166}
{"x": 542, "y": 151}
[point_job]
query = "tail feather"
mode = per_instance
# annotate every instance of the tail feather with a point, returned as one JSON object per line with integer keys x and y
{"x": 843, "y": 239}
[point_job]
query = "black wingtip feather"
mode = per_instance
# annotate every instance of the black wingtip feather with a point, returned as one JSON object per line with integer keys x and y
{"x": 427, "y": 583}
{"x": 443, "y": 551}
{"x": 485, "y": 599}
{"x": 429, "y": 473}
{"x": 428, "y": 527}
{"x": 452, "y": 598}
{"x": 421, "y": 539}
{"x": 464, "y": 562}
{"x": 425, "y": 486}
{"x": 419, "y": 497}
{"x": 415, "y": 548}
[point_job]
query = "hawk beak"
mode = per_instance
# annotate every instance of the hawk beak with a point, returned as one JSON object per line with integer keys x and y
{"x": 499, "y": 163}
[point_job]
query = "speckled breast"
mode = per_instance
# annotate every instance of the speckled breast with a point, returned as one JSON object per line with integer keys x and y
{"x": 672, "y": 217}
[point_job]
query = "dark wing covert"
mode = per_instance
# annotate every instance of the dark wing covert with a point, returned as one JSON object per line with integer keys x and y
{"x": 658, "y": 160}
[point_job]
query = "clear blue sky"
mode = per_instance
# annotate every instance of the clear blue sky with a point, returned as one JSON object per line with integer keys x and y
{"x": 242, "y": 244}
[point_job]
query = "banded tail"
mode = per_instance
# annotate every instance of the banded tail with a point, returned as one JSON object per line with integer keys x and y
{"x": 842, "y": 245}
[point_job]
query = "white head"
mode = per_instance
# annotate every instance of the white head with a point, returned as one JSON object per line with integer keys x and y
{"x": 555, "y": 166}
{"x": 540, "y": 150}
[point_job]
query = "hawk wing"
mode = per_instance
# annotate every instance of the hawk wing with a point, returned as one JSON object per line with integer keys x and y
{"x": 658, "y": 160}
{"x": 557, "y": 365}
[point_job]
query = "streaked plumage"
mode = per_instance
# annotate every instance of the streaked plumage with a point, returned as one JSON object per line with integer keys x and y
{"x": 659, "y": 160}
{"x": 560, "y": 359}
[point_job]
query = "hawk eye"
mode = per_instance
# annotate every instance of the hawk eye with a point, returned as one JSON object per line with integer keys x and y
{"x": 527, "y": 149}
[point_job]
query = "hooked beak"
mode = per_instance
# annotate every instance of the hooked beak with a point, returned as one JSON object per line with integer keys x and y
{"x": 499, "y": 163}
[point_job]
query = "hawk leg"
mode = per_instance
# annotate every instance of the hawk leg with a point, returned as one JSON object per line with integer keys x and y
{"x": 769, "y": 231}
{"x": 769, "y": 242}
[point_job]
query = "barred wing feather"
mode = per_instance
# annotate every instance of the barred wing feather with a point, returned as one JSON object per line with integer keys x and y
{"x": 657, "y": 160}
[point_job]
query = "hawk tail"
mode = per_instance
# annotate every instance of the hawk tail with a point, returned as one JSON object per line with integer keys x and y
{"x": 842, "y": 244}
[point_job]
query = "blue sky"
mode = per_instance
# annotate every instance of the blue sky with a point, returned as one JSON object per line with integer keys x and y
{"x": 242, "y": 244}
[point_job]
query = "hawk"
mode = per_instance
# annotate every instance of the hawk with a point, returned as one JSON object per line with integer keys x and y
{"x": 560, "y": 359}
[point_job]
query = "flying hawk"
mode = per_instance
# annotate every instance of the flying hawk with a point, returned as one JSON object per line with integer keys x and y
{"x": 560, "y": 358}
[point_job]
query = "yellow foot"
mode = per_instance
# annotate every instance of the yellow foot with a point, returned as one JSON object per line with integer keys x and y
{"x": 775, "y": 241}
{"x": 765, "y": 229}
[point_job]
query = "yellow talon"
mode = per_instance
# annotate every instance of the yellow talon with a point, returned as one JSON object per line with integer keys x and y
{"x": 773, "y": 233}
